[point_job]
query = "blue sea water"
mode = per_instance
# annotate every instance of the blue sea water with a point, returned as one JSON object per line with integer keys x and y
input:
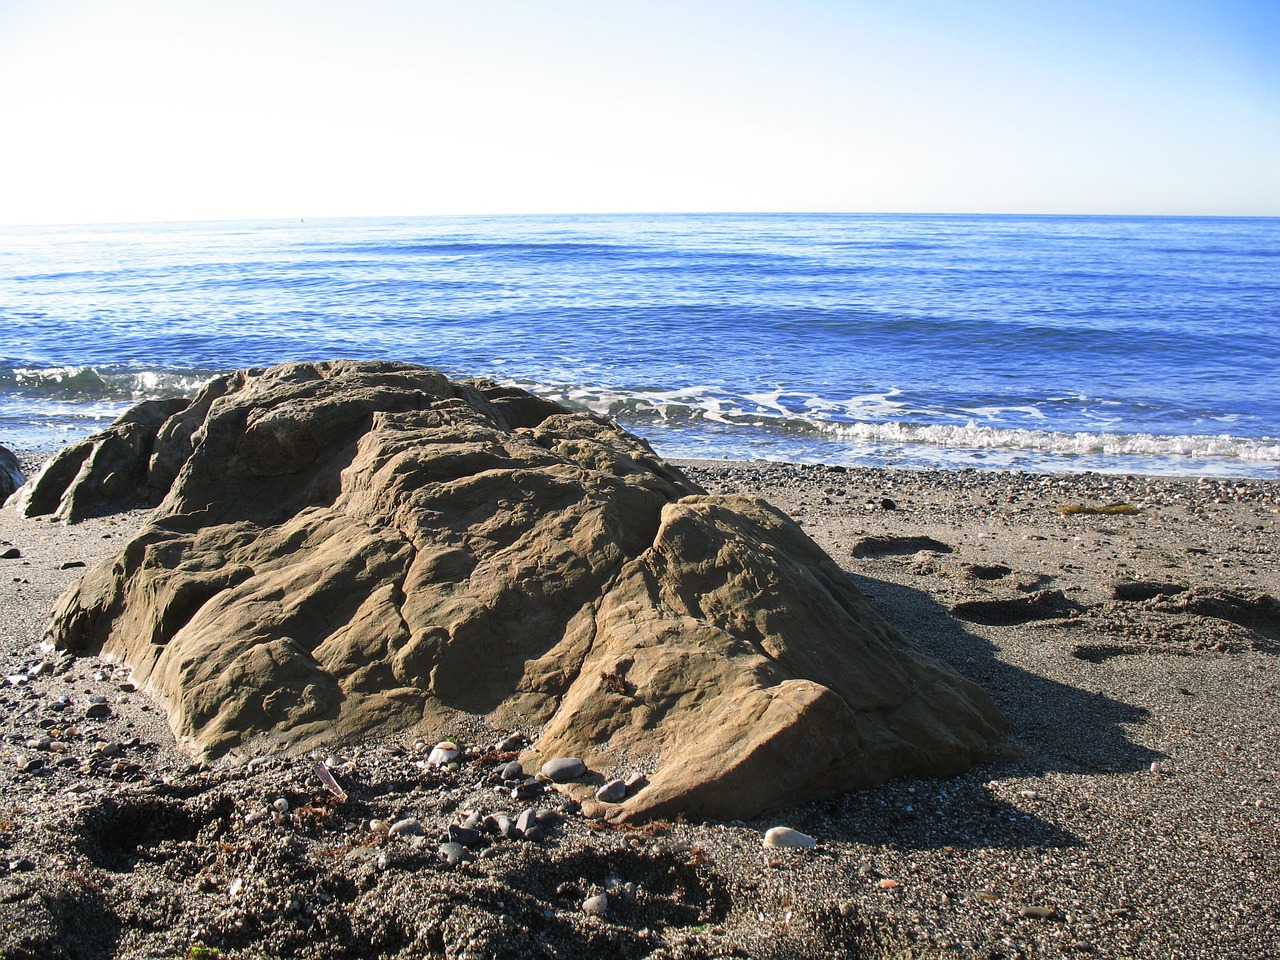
{"x": 1059, "y": 344}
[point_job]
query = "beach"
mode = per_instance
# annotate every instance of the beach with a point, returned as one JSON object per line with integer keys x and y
{"x": 1125, "y": 625}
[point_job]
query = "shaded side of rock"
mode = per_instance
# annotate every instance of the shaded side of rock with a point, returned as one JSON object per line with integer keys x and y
{"x": 11, "y": 475}
{"x": 101, "y": 473}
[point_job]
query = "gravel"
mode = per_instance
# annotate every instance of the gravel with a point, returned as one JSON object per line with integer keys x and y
{"x": 1138, "y": 818}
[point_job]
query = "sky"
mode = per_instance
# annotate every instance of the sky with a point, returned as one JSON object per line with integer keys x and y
{"x": 144, "y": 110}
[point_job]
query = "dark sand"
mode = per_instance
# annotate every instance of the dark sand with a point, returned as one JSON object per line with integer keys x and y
{"x": 1139, "y": 819}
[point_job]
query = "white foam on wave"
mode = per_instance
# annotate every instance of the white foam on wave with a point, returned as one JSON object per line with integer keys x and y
{"x": 976, "y": 436}
{"x": 892, "y": 423}
{"x": 87, "y": 383}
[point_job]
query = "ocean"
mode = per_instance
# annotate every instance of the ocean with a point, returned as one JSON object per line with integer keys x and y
{"x": 1053, "y": 344}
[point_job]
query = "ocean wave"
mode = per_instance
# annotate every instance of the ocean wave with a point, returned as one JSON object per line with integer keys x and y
{"x": 91, "y": 384}
{"x": 82, "y": 395}
{"x": 885, "y": 419}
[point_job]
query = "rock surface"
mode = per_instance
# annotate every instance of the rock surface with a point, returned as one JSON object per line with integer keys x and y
{"x": 343, "y": 547}
{"x": 11, "y": 476}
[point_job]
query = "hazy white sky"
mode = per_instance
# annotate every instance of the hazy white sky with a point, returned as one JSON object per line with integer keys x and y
{"x": 212, "y": 109}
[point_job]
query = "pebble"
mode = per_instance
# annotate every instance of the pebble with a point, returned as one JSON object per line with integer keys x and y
{"x": 379, "y": 826}
{"x": 1037, "y": 913}
{"x": 408, "y": 827}
{"x": 526, "y": 791}
{"x": 612, "y": 792}
{"x": 463, "y": 835}
{"x": 527, "y": 820}
{"x": 785, "y": 837}
{"x": 563, "y": 769}
{"x": 513, "y": 771}
{"x": 453, "y": 853}
{"x": 280, "y": 804}
{"x": 596, "y": 906}
{"x": 97, "y": 711}
{"x": 446, "y": 751}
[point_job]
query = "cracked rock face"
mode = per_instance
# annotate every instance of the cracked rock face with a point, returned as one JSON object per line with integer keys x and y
{"x": 345, "y": 548}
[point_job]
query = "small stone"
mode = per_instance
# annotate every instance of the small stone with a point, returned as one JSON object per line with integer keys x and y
{"x": 526, "y": 791}
{"x": 12, "y": 553}
{"x": 635, "y": 780}
{"x": 463, "y": 835}
{"x": 513, "y": 742}
{"x": 563, "y": 769}
{"x": 446, "y": 751}
{"x": 453, "y": 853}
{"x": 612, "y": 792}
{"x": 513, "y": 771}
{"x": 1156, "y": 767}
{"x": 97, "y": 711}
{"x": 1037, "y": 913}
{"x": 71, "y": 565}
{"x": 280, "y": 804}
{"x": 379, "y": 826}
{"x": 408, "y": 827}
{"x": 888, "y": 883}
{"x": 527, "y": 820}
{"x": 785, "y": 837}
{"x": 30, "y": 764}
{"x": 596, "y": 906}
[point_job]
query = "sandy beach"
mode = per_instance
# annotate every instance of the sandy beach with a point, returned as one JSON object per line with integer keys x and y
{"x": 1126, "y": 626}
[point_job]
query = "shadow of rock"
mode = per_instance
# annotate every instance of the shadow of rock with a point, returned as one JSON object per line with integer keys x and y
{"x": 1055, "y": 728}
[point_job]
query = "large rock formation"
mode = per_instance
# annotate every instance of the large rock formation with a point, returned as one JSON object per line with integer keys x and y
{"x": 346, "y": 546}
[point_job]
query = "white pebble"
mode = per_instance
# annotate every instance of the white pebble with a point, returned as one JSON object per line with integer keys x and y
{"x": 446, "y": 751}
{"x": 785, "y": 837}
{"x": 281, "y": 805}
{"x": 596, "y": 906}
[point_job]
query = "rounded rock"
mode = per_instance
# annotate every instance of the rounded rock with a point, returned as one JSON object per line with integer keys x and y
{"x": 409, "y": 826}
{"x": 453, "y": 853}
{"x": 786, "y": 838}
{"x": 446, "y": 751}
{"x": 563, "y": 769}
{"x": 612, "y": 792}
{"x": 513, "y": 771}
{"x": 596, "y": 906}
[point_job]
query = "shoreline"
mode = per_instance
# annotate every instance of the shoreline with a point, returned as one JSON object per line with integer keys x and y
{"x": 1140, "y": 817}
